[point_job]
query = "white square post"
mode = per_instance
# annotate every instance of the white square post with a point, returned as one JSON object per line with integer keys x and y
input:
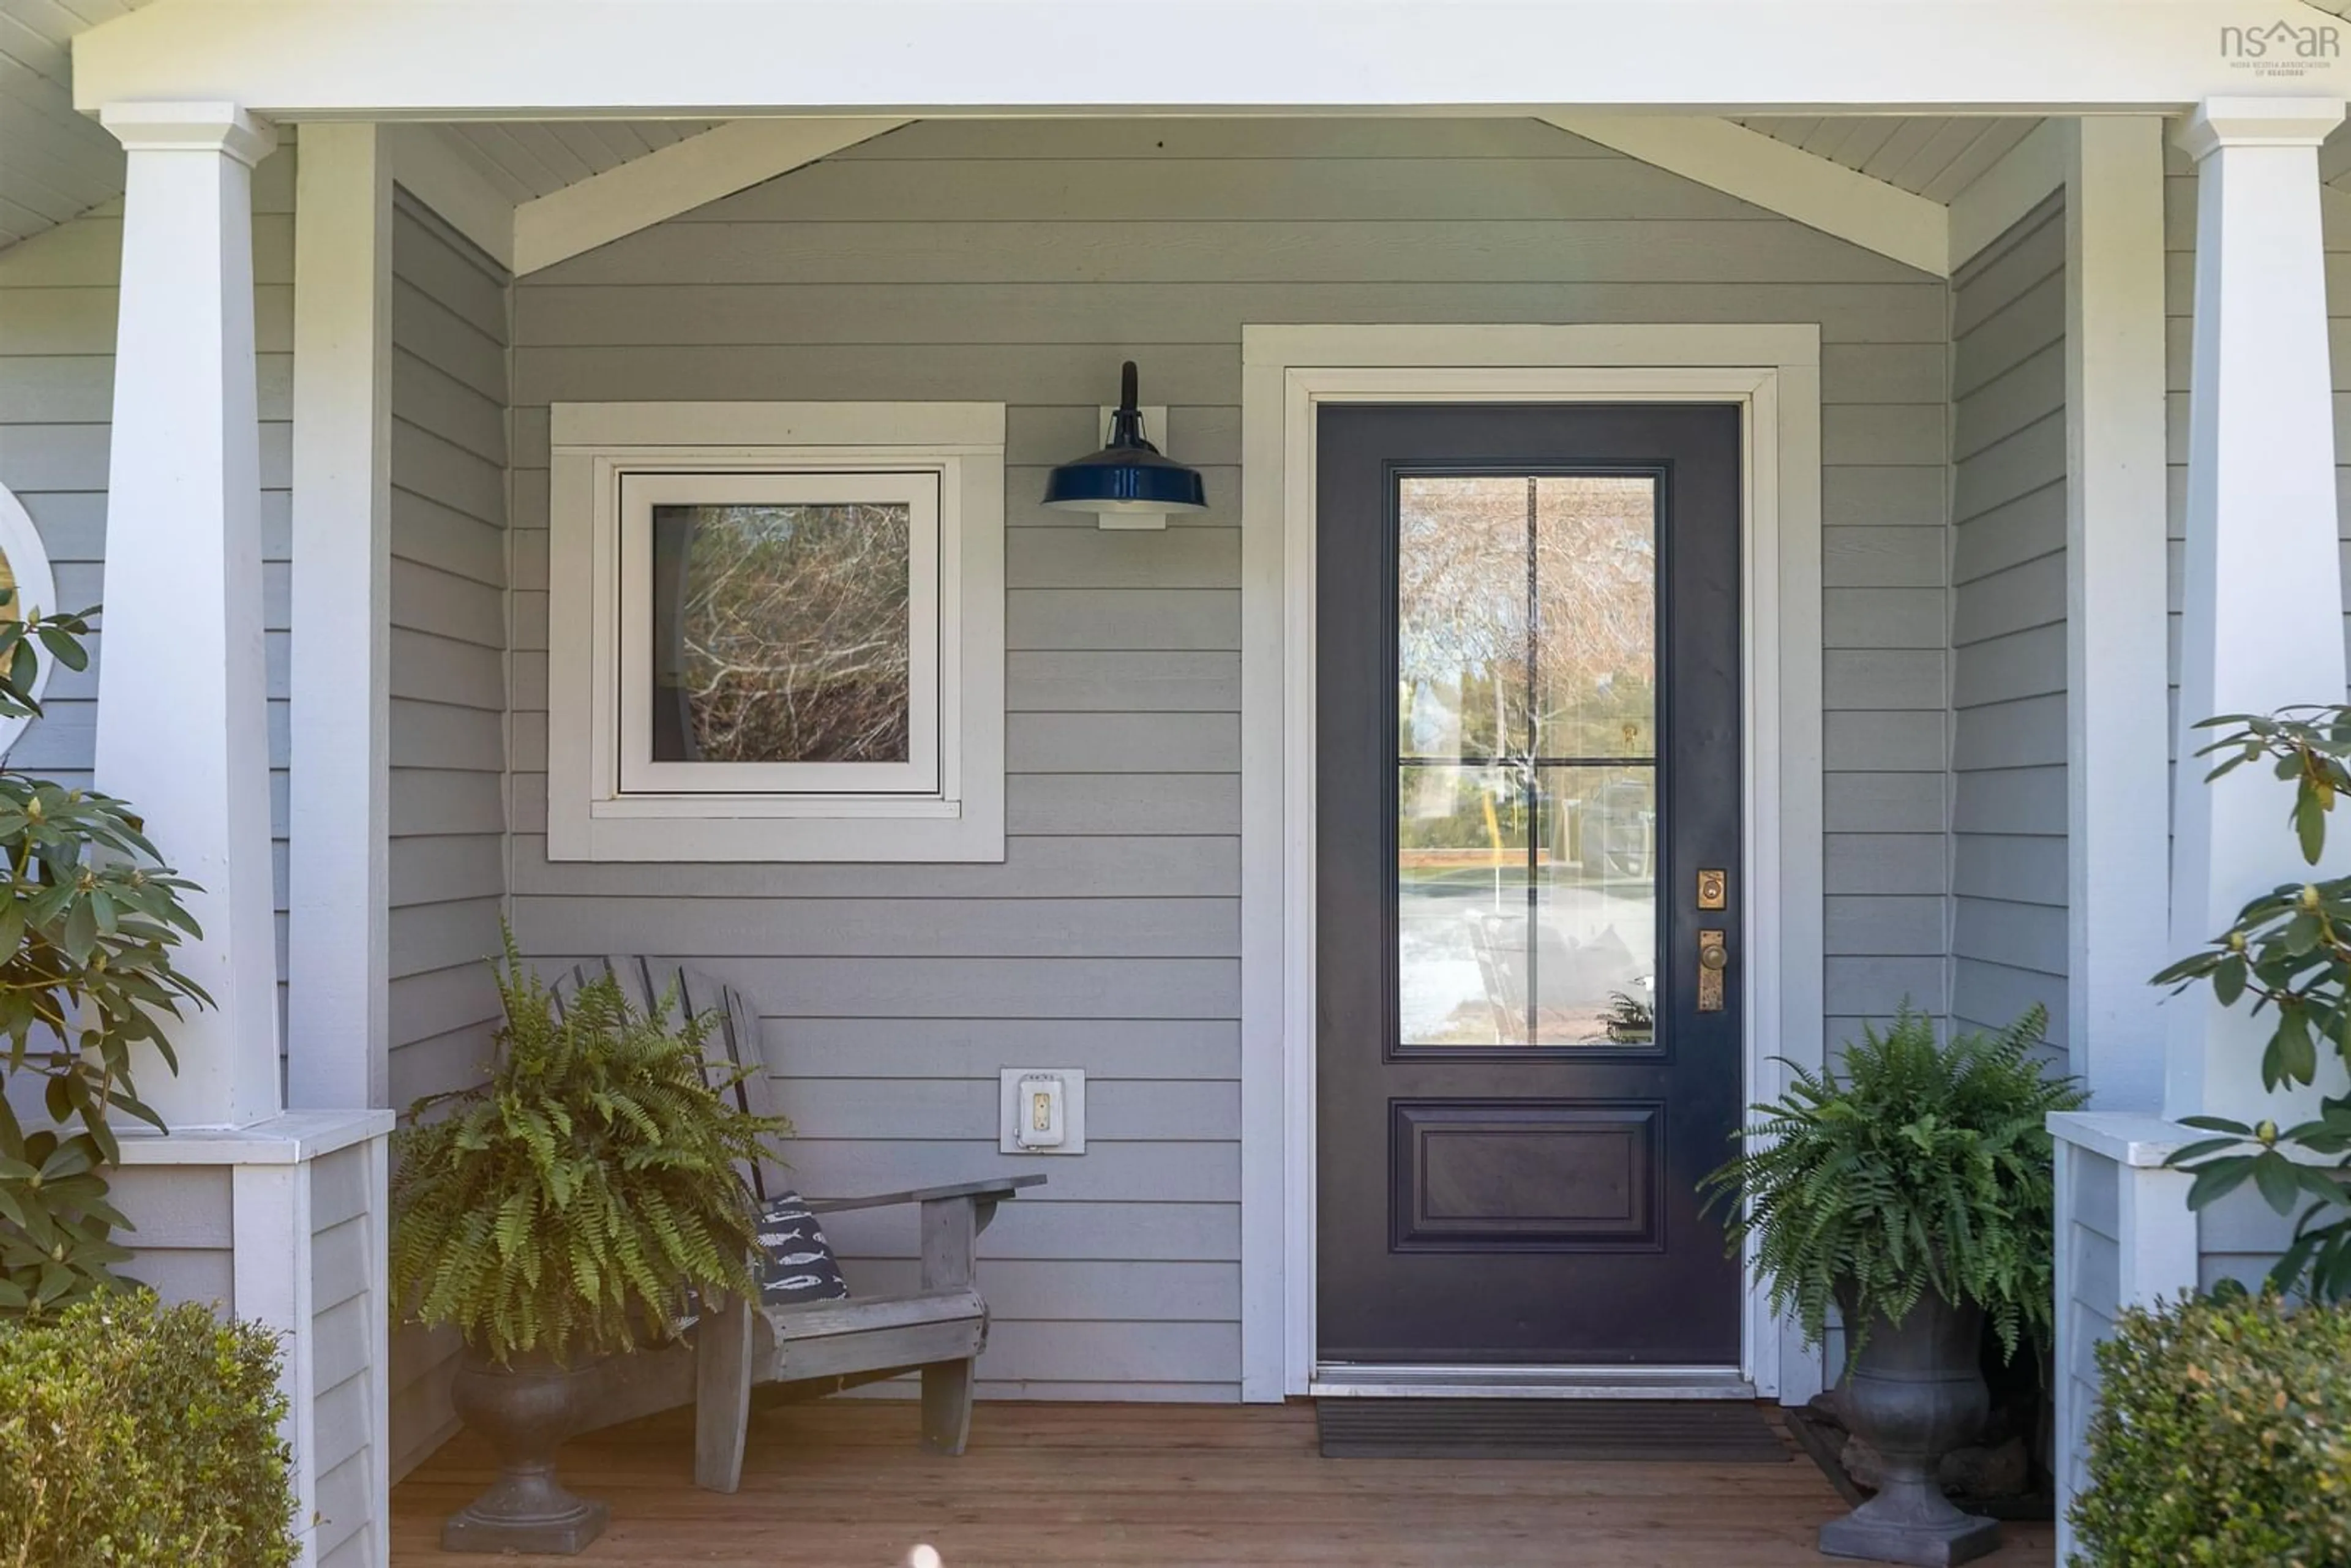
{"x": 338, "y": 945}
{"x": 2118, "y": 819}
{"x": 2263, "y": 624}
{"x": 183, "y": 732}
{"x": 2262, "y": 630}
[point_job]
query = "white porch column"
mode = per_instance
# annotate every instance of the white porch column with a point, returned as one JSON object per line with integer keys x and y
{"x": 2263, "y": 612}
{"x": 2118, "y": 822}
{"x": 181, "y": 726}
{"x": 338, "y": 945}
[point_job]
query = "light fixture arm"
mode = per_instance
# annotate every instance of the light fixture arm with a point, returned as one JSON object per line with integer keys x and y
{"x": 1127, "y": 420}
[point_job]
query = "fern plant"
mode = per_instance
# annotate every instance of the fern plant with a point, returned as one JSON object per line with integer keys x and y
{"x": 566, "y": 1206}
{"x": 1924, "y": 1165}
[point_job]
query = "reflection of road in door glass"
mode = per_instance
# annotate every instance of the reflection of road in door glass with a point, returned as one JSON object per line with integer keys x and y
{"x": 1467, "y": 969}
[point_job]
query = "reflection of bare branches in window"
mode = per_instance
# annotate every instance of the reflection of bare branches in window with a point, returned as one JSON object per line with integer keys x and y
{"x": 1462, "y": 570}
{"x": 789, "y": 638}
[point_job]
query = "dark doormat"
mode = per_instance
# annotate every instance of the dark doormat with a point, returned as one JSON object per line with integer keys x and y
{"x": 1710, "y": 1431}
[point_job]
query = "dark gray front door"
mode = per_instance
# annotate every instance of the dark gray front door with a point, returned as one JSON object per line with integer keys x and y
{"x": 1528, "y": 761}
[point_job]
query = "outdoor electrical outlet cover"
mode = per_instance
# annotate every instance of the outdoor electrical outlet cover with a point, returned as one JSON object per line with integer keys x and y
{"x": 1022, "y": 1089}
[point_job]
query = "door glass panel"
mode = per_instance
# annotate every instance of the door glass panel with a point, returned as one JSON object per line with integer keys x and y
{"x": 1526, "y": 811}
{"x": 1463, "y": 597}
{"x": 1596, "y": 906}
{"x": 1596, "y": 615}
{"x": 1461, "y": 905}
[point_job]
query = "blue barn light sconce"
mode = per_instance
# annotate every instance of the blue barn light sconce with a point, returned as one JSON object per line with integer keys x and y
{"x": 1129, "y": 483}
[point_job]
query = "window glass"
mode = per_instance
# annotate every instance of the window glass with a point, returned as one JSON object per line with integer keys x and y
{"x": 1527, "y": 815}
{"x": 781, "y": 634}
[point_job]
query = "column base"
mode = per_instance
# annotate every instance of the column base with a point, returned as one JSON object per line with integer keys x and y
{"x": 561, "y": 1533}
{"x": 1934, "y": 1538}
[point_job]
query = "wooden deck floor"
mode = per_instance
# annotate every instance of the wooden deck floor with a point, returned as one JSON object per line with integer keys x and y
{"x": 843, "y": 1485}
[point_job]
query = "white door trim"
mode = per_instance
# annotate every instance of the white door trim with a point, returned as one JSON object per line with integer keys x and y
{"x": 1773, "y": 371}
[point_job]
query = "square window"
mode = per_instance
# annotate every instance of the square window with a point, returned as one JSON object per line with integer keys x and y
{"x": 779, "y": 633}
{"x": 775, "y": 631}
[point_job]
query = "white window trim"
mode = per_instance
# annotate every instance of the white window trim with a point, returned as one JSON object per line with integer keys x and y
{"x": 588, "y": 816}
{"x": 36, "y": 590}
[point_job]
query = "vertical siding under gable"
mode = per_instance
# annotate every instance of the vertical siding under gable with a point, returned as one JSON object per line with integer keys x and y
{"x": 448, "y": 703}
{"x": 2008, "y": 629}
{"x": 1021, "y": 262}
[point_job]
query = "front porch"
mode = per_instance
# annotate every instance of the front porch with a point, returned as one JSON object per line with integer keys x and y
{"x": 2040, "y": 356}
{"x": 844, "y": 1484}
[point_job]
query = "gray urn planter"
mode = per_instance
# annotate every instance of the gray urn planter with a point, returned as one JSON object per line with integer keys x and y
{"x": 527, "y": 1411}
{"x": 1917, "y": 1392}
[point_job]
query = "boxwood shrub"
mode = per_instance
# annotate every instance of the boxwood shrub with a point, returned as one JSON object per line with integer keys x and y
{"x": 134, "y": 1434}
{"x": 2223, "y": 1437}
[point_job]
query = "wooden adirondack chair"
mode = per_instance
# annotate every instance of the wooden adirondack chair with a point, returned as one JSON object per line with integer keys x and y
{"x": 821, "y": 1347}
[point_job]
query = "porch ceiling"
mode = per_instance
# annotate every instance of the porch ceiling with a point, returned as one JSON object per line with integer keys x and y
{"x": 1934, "y": 156}
{"x": 54, "y": 164}
{"x": 527, "y": 158}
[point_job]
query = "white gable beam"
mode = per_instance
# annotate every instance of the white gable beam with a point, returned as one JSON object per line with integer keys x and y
{"x": 427, "y": 160}
{"x": 1999, "y": 198}
{"x": 673, "y": 180}
{"x": 1787, "y": 180}
{"x": 439, "y": 59}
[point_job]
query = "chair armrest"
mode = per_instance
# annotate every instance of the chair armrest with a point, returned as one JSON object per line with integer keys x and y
{"x": 995, "y": 1189}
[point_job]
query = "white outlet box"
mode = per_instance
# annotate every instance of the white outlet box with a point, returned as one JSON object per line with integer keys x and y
{"x": 1043, "y": 1111}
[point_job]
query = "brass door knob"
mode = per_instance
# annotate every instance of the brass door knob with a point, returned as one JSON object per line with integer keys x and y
{"x": 1713, "y": 959}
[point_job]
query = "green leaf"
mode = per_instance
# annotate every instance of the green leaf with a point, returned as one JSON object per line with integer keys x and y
{"x": 63, "y": 646}
{"x": 2298, "y": 1054}
{"x": 2227, "y": 980}
{"x": 2273, "y": 1175}
{"x": 2309, "y": 823}
{"x": 2303, "y": 933}
{"x": 2218, "y": 1180}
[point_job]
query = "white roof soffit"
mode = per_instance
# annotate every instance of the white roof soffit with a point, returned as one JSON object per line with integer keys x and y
{"x": 556, "y": 59}
{"x": 472, "y": 184}
{"x": 54, "y": 164}
{"x": 1756, "y": 168}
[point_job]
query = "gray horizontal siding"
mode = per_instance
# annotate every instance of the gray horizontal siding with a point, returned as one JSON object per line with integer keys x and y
{"x": 1020, "y": 263}
{"x": 447, "y": 859}
{"x": 58, "y": 296}
{"x": 183, "y": 1224}
{"x": 2008, "y": 933}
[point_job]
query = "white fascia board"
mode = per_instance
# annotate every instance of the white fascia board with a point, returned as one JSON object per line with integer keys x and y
{"x": 673, "y": 180}
{"x": 725, "y": 58}
{"x": 429, "y": 162}
{"x": 1999, "y": 198}
{"x": 1786, "y": 180}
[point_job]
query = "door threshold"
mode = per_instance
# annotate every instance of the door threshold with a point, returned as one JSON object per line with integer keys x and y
{"x": 1344, "y": 1380}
